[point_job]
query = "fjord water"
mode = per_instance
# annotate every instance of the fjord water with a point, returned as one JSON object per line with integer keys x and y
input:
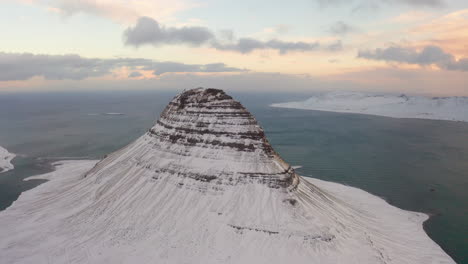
{"x": 419, "y": 165}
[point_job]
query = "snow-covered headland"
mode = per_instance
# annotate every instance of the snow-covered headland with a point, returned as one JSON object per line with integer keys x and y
{"x": 203, "y": 185}
{"x": 5, "y": 160}
{"x": 398, "y": 106}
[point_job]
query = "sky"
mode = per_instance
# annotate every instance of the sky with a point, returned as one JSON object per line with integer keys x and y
{"x": 396, "y": 46}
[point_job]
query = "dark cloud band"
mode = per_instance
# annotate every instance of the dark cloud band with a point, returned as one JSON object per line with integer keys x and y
{"x": 247, "y": 45}
{"x": 23, "y": 66}
{"x": 430, "y": 55}
{"x": 148, "y": 31}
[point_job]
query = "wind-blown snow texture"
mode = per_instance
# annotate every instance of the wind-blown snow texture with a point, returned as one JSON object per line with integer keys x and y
{"x": 204, "y": 186}
{"x": 399, "y": 106}
{"x": 5, "y": 160}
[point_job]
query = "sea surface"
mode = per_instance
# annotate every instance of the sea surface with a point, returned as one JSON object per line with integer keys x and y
{"x": 418, "y": 165}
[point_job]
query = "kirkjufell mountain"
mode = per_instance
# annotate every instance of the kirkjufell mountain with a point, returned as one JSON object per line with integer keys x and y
{"x": 204, "y": 185}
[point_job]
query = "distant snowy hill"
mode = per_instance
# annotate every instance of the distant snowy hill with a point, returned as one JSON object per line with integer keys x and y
{"x": 5, "y": 160}
{"x": 204, "y": 185}
{"x": 399, "y": 106}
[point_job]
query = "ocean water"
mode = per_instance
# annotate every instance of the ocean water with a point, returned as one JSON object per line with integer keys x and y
{"x": 419, "y": 165}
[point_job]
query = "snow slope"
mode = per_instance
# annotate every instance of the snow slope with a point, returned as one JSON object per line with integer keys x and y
{"x": 399, "y": 106}
{"x": 5, "y": 160}
{"x": 204, "y": 186}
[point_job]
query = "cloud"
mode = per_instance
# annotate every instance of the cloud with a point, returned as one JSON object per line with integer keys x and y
{"x": 433, "y": 3}
{"x": 429, "y": 55}
{"x": 148, "y": 31}
{"x": 388, "y": 79}
{"x": 23, "y": 66}
{"x": 325, "y": 3}
{"x": 341, "y": 28}
{"x": 373, "y": 4}
{"x": 125, "y": 11}
{"x": 135, "y": 74}
{"x": 247, "y": 45}
{"x": 159, "y": 68}
{"x": 410, "y": 17}
{"x": 278, "y": 29}
{"x": 449, "y": 31}
{"x": 459, "y": 65}
{"x": 336, "y": 46}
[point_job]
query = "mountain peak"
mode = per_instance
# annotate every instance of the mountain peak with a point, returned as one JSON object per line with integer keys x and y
{"x": 201, "y": 95}
{"x": 207, "y": 136}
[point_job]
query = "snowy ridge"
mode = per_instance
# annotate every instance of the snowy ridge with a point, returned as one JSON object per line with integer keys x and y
{"x": 5, "y": 160}
{"x": 204, "y": 186}
{"x": 398, "y": 106}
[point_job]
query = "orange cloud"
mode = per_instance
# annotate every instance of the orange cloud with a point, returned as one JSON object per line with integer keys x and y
{"x": 411, "y": 17}
{"x": 449, "y": 32}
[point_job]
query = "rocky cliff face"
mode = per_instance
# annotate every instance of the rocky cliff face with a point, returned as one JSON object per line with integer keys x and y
{"x": 203, "y": 185}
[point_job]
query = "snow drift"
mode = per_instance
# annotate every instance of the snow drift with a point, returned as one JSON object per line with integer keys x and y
{"x": 203, "y": 185}
{"x": 399, "y": 106}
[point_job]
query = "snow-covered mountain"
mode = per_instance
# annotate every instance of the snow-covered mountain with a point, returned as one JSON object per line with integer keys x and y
{"x": 5, "y": 160}
{"x": 399, "y": 106}
{"x": 203, "y": 185}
